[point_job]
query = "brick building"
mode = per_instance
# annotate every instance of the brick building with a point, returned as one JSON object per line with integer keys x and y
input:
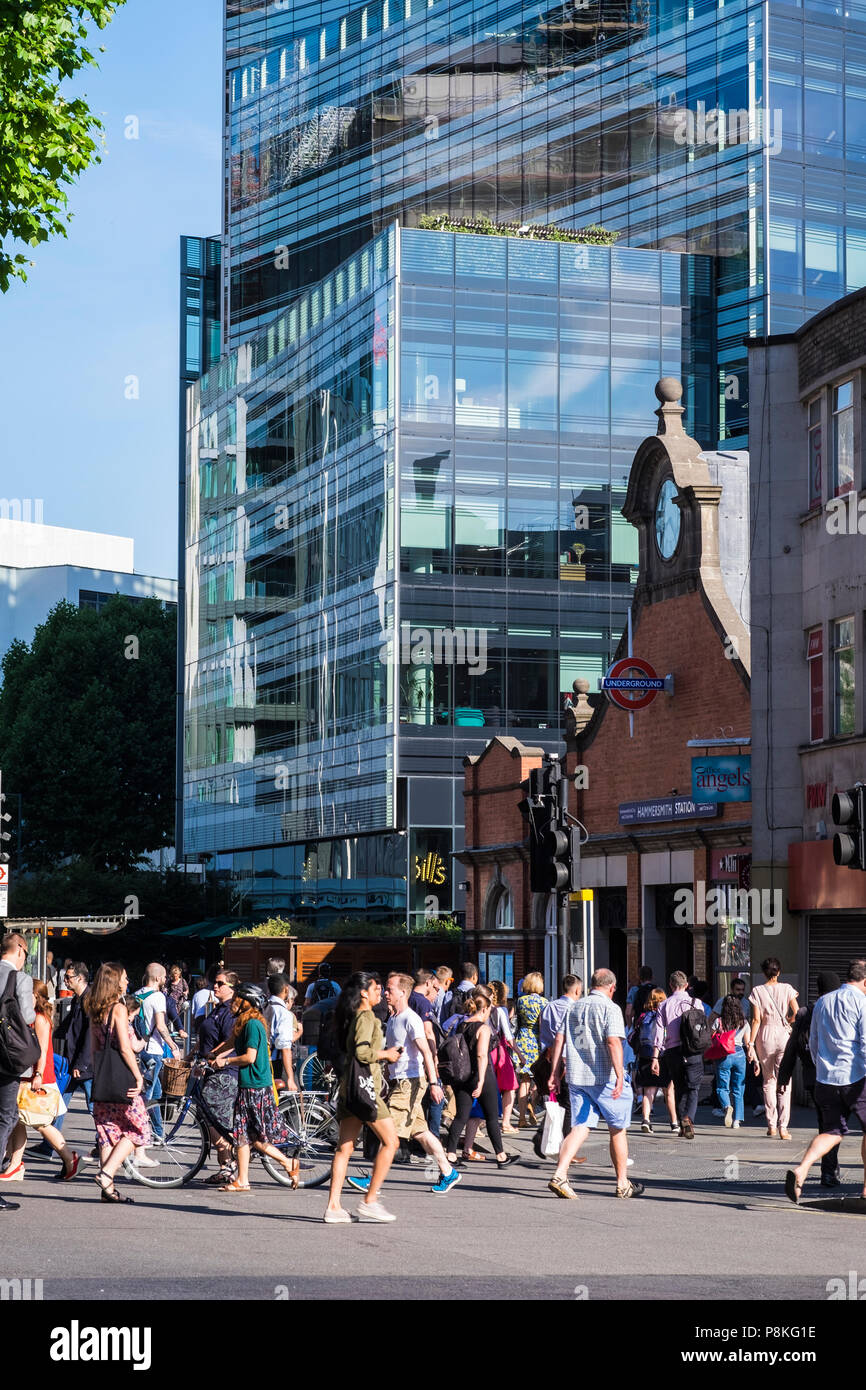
{"x": 649, "y": 837}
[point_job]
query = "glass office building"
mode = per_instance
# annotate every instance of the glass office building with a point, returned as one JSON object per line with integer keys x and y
{"x": 724, "y": 137}
{"x": 729, "y": 128}
{"x": 404, "y": 537}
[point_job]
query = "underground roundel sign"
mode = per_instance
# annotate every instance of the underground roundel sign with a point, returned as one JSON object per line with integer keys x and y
{"x": 631, "y": 683}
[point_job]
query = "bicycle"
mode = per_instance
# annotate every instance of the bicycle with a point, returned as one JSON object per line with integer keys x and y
{"x": 185, "y": 1143}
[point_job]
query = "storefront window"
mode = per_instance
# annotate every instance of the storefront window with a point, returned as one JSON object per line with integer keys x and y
{"x": 497, "y": 965}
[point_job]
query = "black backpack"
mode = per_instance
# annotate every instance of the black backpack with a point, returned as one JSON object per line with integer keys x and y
{"x": 19, "y": 1048}
{"x": 322, "y": 990}
{"x": 696, "y": 1032}
{"x": 455, "y": 1061}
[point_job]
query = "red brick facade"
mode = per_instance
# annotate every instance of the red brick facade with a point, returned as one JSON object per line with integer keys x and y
{"x": 684, "y": 625}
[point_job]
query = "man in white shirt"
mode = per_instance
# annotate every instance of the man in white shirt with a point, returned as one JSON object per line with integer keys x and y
{"x": 409, "y": 1076}
{"x": 281, "y": 1025}
{"x": 591, "y": 1035}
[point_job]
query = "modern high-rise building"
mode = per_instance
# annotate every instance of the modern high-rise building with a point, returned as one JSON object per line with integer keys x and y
{"x": 381, "y": 460}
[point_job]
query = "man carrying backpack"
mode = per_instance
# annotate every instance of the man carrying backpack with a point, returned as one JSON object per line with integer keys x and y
{"x": 322, "y": 987}
{"x": 684, "y": 1062}
{"x": 17, "y": 1012}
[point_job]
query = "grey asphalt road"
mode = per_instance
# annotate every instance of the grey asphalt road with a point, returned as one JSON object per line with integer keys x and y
{"x": 496, "y": 1235}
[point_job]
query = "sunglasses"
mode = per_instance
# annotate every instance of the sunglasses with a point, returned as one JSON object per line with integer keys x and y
{"x": 220, "y": 984}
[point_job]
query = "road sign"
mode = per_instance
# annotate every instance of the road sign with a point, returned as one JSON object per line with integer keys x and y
{"x": 631, "y": 683}
{"x": 4, "y": 890}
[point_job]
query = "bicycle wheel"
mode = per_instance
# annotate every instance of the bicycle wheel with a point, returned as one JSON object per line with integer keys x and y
{"x": 183, "y": 1148}
{"x": 314, "y": 1132}
{"x": 314, "y": 1074}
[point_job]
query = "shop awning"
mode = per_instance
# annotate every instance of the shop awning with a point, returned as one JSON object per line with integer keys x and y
{"x": 213, "y": 927}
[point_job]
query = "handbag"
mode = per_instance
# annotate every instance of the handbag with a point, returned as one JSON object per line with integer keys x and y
{"x": 551, "y": 1135}
{"x": 722, "y": 1046}
{"x": 112, "y": 1078}
{"x": 361, "y": 1092}
{"x": 37, "y": 1108}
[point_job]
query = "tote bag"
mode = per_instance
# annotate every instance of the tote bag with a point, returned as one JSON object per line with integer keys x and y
{"x": 112, "y": 1078}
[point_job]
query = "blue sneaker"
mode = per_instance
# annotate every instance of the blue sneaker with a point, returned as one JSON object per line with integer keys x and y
{"x": 446, "y": 1184}
{"x": 360, "y": 1184}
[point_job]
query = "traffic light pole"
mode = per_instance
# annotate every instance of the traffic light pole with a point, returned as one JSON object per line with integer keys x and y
{"x": 564, "y": 941}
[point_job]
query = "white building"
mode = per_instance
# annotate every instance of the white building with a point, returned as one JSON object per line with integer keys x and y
{"x": 40, "y": 565}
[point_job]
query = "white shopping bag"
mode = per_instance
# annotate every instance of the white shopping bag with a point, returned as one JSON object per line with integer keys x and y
{"x": 551, "y": 1135}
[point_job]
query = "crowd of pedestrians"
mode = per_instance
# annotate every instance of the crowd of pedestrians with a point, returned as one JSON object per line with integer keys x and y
{"x": 423, "y": 1062}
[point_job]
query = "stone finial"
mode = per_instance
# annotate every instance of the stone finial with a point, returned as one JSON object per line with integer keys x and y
{"x": 669, "y": 392}
{"x": 578, "y": 710}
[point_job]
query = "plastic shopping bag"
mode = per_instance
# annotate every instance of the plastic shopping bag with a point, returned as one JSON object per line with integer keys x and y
{"x": 551, "y": 1135}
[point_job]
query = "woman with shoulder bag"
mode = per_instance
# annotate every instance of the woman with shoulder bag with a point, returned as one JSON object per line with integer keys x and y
{"x": 39, "y": 1099}
{"x": 503, "y": 1064}
{"x": 360, "y": 1100}
{"x": 732, "y": 1039}
{"x": 119, "y": 1112}
{"x": 480, "y": 1085}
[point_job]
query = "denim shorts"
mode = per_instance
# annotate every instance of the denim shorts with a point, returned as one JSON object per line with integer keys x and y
{"x": 589, "y": 1104}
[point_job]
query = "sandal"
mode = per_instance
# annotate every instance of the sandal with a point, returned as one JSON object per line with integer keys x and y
{"x": 224, "y": 1175}
{"x": 631, "y": 1189}
{"x": 236, "y": 1186}
{"x": 68, "y": 1173}
{"x": 110, "y": 1193}
{"x": 473, "y": 1156}
{"x": 792, "y": 1187}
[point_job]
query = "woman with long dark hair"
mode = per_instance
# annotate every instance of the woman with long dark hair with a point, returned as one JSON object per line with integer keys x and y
{"x": 121, "y": 1126}
{"x": 731, "y": 1070}
{"x": 360, "y": 1037}
{"x": 481, "y": 1083}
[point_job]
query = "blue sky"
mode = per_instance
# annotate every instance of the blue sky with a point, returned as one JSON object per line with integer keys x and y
{"x": 102, "y": 305}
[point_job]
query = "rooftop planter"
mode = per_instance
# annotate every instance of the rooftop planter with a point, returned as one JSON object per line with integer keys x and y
{"x": 593, "y": 235}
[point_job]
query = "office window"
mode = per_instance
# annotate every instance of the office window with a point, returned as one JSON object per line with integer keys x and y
{"x": 843, "y": 438}
{"x": 815, "y": 659}
{"x": 843, "y": 676}
{"x": 816, "y": 454}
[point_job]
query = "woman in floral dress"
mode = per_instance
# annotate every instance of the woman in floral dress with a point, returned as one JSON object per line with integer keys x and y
{"x": 120, "y": 1127}
{"x": 530, "y": 1003}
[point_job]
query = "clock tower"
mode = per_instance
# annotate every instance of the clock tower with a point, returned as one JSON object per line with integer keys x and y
{"x": 673, "y": 501}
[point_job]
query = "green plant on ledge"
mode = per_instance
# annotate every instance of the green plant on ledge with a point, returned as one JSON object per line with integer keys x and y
{"x": 275, "y": 926}
{"x": 593, "y": 235}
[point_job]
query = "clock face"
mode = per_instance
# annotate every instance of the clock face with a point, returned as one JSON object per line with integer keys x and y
{"x": 668, "y": 519}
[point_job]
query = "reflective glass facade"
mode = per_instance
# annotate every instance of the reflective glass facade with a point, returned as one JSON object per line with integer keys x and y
{"x": 342, "y": 116}
{"x": 404, "y": 537}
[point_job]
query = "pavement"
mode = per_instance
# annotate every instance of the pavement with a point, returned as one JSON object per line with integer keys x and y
{"x": 714, "y": 1223}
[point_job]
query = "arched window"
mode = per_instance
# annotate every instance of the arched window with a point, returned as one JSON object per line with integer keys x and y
{"x": 504, "y": 920}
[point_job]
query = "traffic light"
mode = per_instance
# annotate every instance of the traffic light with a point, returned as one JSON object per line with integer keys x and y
{"x": 849, "y": 809}
{"x": 554, "y": 843}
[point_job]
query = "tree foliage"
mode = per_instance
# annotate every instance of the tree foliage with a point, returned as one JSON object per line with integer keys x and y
{"x": 87, "y": 734}
{"x": 46, "y": 140}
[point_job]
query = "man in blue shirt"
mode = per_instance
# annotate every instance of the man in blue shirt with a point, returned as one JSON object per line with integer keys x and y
{"x": 837, "y": 1042}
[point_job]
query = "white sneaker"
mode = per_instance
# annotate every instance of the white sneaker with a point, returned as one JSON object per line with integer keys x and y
{"x": 629, "y": 1163}
{"x": 735, "y": 1125}
{"x": 374, "y": 1211}
{"x": 142, "y": 1161}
